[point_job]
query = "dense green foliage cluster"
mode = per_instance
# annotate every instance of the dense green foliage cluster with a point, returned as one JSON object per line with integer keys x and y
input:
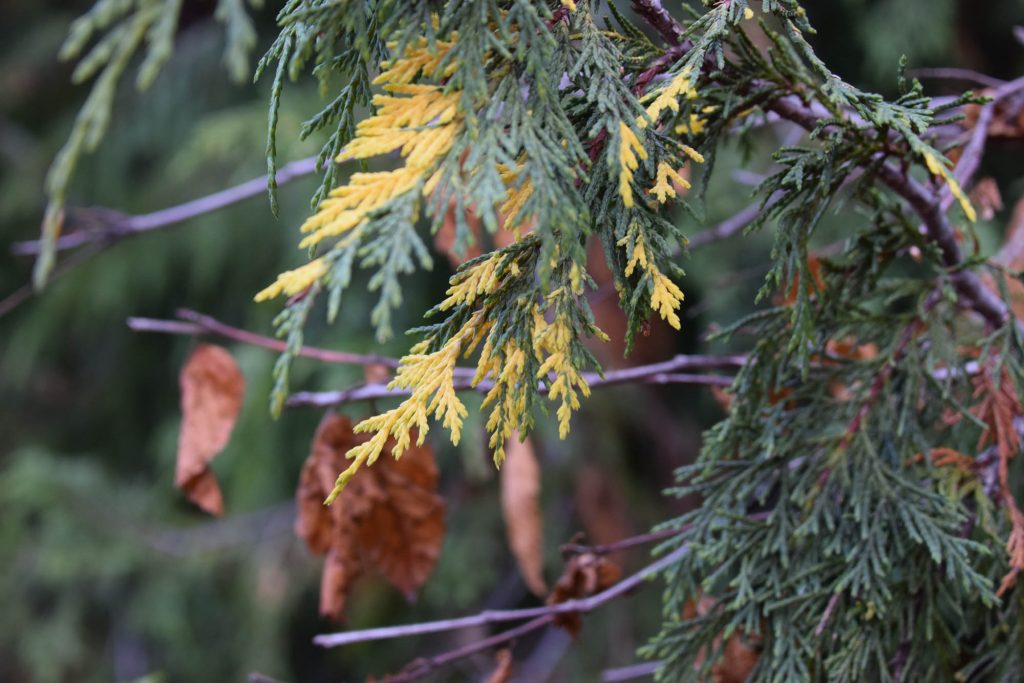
{"x": 856, "y": 516}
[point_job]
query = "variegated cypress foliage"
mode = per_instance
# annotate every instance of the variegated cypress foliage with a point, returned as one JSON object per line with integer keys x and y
{"x": 858, "y": 519}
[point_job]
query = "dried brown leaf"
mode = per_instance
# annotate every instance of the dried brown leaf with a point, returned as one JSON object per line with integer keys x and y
{"x": 212, "y": 387}
{"x": 740, "y": 655}
{"x": 948, "y": 457}
{"x": 400, "y": 518}
{"x": 341, "y": 568}
{"x": 520, "y": 504}
{"x": 655, "y": 344}
{"x": 738, "y": 661}
{"x": 584, "y": 574}
{"x": 389, "y": 518}
{"x": 999, "y": 408}
{"x": 722, "y": 397}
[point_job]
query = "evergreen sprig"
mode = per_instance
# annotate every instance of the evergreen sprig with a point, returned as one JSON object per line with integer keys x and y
{"x": 120, "y": 31}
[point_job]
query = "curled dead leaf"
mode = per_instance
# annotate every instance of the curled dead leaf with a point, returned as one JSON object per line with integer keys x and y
{"x": 584, "y": 574}
{"x": 389, "y": 518}
{"x": 212, "y": 388}
{"x": 520, "y": 504}
{"x": 722, "y": 397}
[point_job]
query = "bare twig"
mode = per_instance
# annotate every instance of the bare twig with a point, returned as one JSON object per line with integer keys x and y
{"x": 926, "y": 204}
{"x": 580, "y": 605}
{"x": 660, "y": 20}
{"x": 622, "y": 544}
{"x": 970, "y": 155}
{"x": 192, "y": 323}
{"x": 827, "y": 614}
{"x": 120, "y": 226}
{"x": 655, "y": 373}
{"x": 899, "y": 661}
{"x": 238, "y": 531}
{"x": 631, "y": 672}
{"x": 955, "y": 74}
{"x": 879, "y": 383}
{"x": 419, "y": 668}
{"x": 667, "y": 372}
{"x": 726, "y": 228}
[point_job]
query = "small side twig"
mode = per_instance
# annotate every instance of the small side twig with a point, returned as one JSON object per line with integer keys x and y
{"x": 121, "y": 226}
{"x": 879, "y": 383}
{"x": 191, "y": 323}
{"x": 666, "y": 372}
{"x": 631, "y": 672}
{"x": 580, "y": 605}
{"x": 956, "y": 74}
{"x": 622, "y": 544}
{"x": 827, "y": 614}
{"x": 419, "y": 668}
{"x": 27, "y": 291}
{"x": 654, "y": 373}
{"x": 658, "y": 18}
{"x": 727, "y": 228}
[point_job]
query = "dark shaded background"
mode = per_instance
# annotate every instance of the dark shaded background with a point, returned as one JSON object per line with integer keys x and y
{"x": 106, "y": 573}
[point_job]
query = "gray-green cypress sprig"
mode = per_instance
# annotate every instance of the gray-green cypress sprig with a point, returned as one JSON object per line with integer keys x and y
{"x": 118, "y": 31}
{"x": 338, "y": 42}
{"x": 828, "y": 537}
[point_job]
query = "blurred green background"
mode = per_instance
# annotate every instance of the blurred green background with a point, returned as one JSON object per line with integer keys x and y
{"x": 107, "y": 573}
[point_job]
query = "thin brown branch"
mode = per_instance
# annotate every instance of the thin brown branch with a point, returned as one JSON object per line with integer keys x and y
{"x": 419, "y": 668}
{"x": 970, "y": 155}
{"x": 928, "y": 206}
{"x": 622, "y": 544}
{"x": 119, "y": 226}
{"x": 580, "y": 605}
{"x": 629, "y": 673}
{"x": 193, "y": 323}
{"x": 257, "y": 677}
{"x": 727, "y": 228}
{"x": 875, "y": 392}
{"x": 827, "y": 614}
{"x": 658, "y": 18}
{"x": 955, "y": 74}
{"x": 655, "y": 373}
